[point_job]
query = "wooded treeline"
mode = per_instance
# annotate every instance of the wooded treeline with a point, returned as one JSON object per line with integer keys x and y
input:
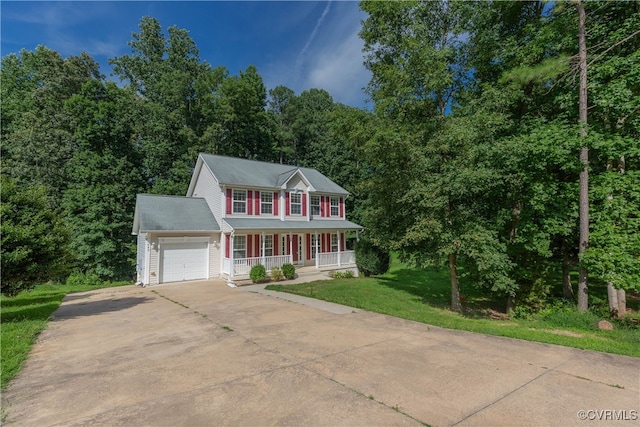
{"x": 470, "y": 158}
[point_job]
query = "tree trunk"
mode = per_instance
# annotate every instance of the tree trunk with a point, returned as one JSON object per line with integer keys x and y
{"x": 612, "y": 294}
{"x": 456, "y": 305}
{"x": 583, "y": 290}
{"x": 510, "y": 304}
{"x": 567, "y": 289}
{"x": 622, "y": 302}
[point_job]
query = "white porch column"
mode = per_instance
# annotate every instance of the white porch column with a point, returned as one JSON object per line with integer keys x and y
{"x": 290, "y": 248}
{"x": 231, "y": 265}
{"x": 263, "y": 256}
{"x": 339, "y": 253}
{"x": 316, "y": 249}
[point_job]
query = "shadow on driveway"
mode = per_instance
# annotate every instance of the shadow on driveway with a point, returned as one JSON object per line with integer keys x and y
{"x": 90, "y": 308}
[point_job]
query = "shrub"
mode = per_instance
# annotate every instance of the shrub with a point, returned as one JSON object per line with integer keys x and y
{"x": 289, "y": 271}
{"x": 348, "y": 274}
{"x": 276, "y": 274}
{"x": 258, "y": 273}
{"x": 78, "y": 279}
{"x": 371, "y": 259}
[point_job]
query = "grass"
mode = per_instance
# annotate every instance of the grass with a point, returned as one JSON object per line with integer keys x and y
{"x": 423, "y": 295}
{"x": 25, "y": 316}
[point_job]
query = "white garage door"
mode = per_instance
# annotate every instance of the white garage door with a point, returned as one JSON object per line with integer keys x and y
{"x": 183, "y": 261}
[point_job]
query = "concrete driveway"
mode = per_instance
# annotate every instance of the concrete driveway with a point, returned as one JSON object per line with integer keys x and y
{"x": 200, "y": 354}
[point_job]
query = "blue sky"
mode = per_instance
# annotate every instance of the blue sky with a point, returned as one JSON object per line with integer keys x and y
{"x": 299, "y": 44}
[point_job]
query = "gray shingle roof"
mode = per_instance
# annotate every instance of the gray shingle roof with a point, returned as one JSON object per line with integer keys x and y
{"x": 252, "y": 173}
{"x": 172, "y": 213}
{"x": 273, "y": 224}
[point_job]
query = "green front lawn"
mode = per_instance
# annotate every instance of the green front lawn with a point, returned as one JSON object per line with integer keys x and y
{"x": 424, "y": 296}
{"x": 25, "y": 316}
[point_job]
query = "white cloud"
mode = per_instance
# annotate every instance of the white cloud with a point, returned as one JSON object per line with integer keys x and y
{"x": 336, "y": 61}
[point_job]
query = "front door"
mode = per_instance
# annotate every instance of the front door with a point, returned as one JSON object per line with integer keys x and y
{"x": 296, "y": 249}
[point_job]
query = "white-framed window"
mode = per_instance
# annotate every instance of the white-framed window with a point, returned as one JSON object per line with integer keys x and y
{"x": 334, "y": 242}
{"x": 295, "y": 202}
{"x": 315, "y": 205}
{"x": 266, "y": 202}
{"x": 239, "y": 247}
{"x": 335, "y": 206}
{"x": 315, "y": 246}
{"x": 268, "y": 245}
{"x": 284, "y": 247}
{"x": 239, "y": 201}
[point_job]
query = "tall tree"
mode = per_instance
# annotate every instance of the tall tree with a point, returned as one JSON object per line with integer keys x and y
{"x": 583, "y": 290}
{"x": 35, "y": 239}
{"x": 428, "y": 202}
{"x": 35, "y": 129}
{"x": 107, "y": 175}
{"x": 176, "y": 92}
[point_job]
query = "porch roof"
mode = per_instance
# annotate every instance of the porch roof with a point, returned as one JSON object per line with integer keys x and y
{"x": 272, "y": 224}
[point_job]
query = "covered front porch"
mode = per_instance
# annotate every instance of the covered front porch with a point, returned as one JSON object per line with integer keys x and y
{"x": 247, "y": 244}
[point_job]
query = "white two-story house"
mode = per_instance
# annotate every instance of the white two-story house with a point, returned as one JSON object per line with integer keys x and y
{"x": 238, "y": 213}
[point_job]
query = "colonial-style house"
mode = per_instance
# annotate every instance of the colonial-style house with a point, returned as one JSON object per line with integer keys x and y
{"x": 238, "y": 213}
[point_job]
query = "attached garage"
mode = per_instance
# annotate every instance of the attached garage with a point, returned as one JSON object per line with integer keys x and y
{"x": 183, "y": 261}
{"x": 178, "y": 239}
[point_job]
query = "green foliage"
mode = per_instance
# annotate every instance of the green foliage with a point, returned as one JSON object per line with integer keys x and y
{"x": 34, "y": 238}
{"x": 348, "y": 274}
{"x": 422, "y": 295}
{"x": 276, "y": 274}
{"x": 83, "y": 280}
{"x": 289, "y": 271}
{"x": 370, "y": 259}
{"x": 258, "y": 273}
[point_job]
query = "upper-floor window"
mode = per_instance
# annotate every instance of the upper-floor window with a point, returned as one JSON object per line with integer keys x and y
{"x": 315, "y": 205}
{"x": 295, "y": 199}
{"x": 239, "y": 201}
{"x": 335, "y": 206}
{"x": 266, "y": 203}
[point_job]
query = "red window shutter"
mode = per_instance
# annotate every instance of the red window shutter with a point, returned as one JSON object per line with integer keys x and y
{"x": 258, "y": 246}
{"x": 258, "y": 199}
{"x": 287, "y": 209}
{"x": 321, "y": 206}
{"x": 327, "y": 206}
{"x": 304, "y": 204}
{"x": 227, "y": 246}
{"x": 275, "y": 245}
{"x": 276, "y": 203}
{"x": 229, "y": 202}
{"x": 249, "y": 246}
{"x": 249, "y": 202}
{"x": 342, "y": 242}
{"x": 341, "y": 207}
{"x": 308, "y": 246}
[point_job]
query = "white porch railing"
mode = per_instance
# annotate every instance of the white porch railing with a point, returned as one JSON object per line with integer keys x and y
{"x": 242, "y": 266}
{"x": 336, "y": 258}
